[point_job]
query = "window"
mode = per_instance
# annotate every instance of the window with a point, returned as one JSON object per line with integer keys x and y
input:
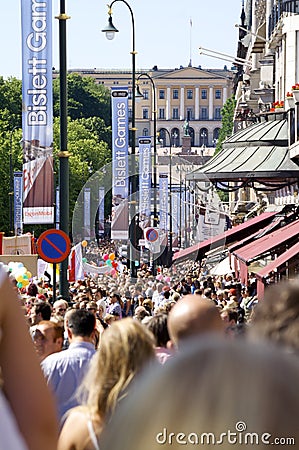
{"x": 145, "y": 94}
{"x": 175, "y": 113}
{"x": 204, "y": 113}
{"x": 145, "y": 113}
{"x": 175, "y": 94}
{"x": 130, "y": 113}
{"x": 189, "y": 94}
{"x": 204, "y": 94}
{"x": 217, "y": 113}
{"x": 218, "y": 94}
{"x": 161, "y": 94}
{"x": 190, "y": 114}
{"x": 161, "y": 113}
{"x": 145, "y": 132}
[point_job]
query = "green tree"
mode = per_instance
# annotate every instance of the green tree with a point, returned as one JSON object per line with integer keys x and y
{"x": 227, "y": 125}
{"x": 86, "y": 98}
{"x": 11, "y": 101}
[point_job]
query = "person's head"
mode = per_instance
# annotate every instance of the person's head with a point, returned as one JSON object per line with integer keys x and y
{"x": 47, "y": 338}
{"x": 60, "y": 307}
{"x": 158, "y": 326}
{"x": 193, "y": 315}
{"x": 92, "y": 307}
{"x": 40, "y": 311}
{"x": 81, "y": 325}
{"x": 126, "y": 348}
{"x": 216, "y": 407}
{"x": 114, "y": 297}
{"x": 276, "y": 318}
{"x": 140, "y": 313}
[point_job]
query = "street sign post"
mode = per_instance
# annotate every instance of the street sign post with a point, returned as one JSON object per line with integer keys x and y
{"x": 53, "y": 246}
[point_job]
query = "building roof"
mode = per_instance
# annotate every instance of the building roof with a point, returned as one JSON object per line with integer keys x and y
{"x": 278, "y": 262}
{"x": 258, "y": 153}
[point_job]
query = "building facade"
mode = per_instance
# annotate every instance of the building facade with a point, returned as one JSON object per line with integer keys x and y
{"x": 193, "y": 94}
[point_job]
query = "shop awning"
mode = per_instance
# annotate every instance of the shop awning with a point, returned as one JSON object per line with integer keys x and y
{"x": 278, "y": 262}
{"x": 197, "y": 251}
{"x": 267, "y": 243}
{"x": 257, "y": 154}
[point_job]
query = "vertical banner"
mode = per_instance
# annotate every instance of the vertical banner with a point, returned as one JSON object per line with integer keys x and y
{"x": 101, "y": 212}
{"x": 145, "y": 182}
{"x": 86, "y": 200}
{"x": 18, "y": 202}
{"x": 120, "y": 163}
{"x": 175, "y": 199}
{"x": 37, "y": 111}
{"x": 163, "y": 201}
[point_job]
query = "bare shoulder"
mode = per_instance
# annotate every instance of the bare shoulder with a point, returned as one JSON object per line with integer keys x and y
{"x": 74, "y": 434}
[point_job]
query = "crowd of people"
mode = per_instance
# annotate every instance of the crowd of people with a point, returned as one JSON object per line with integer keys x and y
{"x": 124, "y": 364}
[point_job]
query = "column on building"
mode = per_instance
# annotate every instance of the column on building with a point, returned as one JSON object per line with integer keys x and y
{"x": 254, "y": 30}
{"x": 182, "y": 104}
{"x": 224, "y": 94}
{"x": 211, "y": 103}
{"x": 197, "y": 103}
{"x": 168, "y": 112}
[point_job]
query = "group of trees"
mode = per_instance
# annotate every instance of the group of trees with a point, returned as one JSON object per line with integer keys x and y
{"x": 89, "y": 135}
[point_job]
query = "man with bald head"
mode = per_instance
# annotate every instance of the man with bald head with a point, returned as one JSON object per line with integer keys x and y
{"x": 191, "y": 316}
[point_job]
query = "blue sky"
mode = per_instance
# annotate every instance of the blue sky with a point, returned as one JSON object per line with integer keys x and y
{"x": 164, "y": 36}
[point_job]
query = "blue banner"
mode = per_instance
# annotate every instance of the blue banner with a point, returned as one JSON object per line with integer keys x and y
{"x": 163, "y": 201}
{"x": 120, "y": 163}
{"x": 145, "y": 181}
{"x": 87, "y": 231}
{"x": 18, "y": 202}
{"x": 101, "y": 212}
{"x": 37, "y": 111}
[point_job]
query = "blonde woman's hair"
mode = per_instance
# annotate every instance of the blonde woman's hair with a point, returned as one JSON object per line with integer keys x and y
{"x": 125, "y": 349}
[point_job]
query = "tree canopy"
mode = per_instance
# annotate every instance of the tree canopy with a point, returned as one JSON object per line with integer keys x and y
{"x": 89, "y": 135}
{"x": 226, "y": 129}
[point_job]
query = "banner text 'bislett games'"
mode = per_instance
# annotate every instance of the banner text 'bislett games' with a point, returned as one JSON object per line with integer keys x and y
{"x": 145, "y": 181}
{"x": 120, "y": 163}
{"x": 37, "y": 111}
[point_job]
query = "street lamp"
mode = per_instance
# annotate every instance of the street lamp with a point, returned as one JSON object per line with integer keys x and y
{"x": 170, "y": 195}
{"x": 110, "y": 31}
{"x": 139, "y": 94}
{"x": 11, "y": 186}
{"x": 63, "y": 154}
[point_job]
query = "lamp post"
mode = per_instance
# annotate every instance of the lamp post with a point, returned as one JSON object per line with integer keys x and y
{"x": 63, "y": 154}
{"x": 138, "y": 93}
{"x": 110, "y": 31}
{"x": 170, "y": 194}
{"x": 11, "y": 187}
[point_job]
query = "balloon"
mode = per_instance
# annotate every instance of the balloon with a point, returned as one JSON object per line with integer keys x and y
{"x": 29, "y": 274}
{"x": 84, "y": 260}
{"x": 112, "y": 256}
{"x": 19, "y": 285}
{"x": 19, "y": 278}
{"x": 84, "y": 243}
{"x": 113, "y": 272}
{"x": 167, "y": 279}
{"x": 114, "y": 264}
{"x": 105, "y": 257}
{"x": 159, "y": 277}
{"x": 109, "y": 262}
{"x": 19, "y": 265}
{"x": 25, "y": 283}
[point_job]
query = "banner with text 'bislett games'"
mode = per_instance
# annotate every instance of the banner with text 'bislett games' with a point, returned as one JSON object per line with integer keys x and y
{"x": 37, "y": 111}
{"x": 145, "y": 181}
{"x": 120, "y": 163}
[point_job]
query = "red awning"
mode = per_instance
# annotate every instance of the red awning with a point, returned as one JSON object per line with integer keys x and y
{"x": 280, "y": 261}
{"x": 267, "y": 243}
{"x": 231, "y": 235}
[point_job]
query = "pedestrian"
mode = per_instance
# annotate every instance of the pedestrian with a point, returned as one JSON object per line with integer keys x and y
{"x": 65, "y": 370}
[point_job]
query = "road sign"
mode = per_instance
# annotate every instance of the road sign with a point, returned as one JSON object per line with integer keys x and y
{"x": 151, "y": 234}
{"x": 53, "y": 246}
